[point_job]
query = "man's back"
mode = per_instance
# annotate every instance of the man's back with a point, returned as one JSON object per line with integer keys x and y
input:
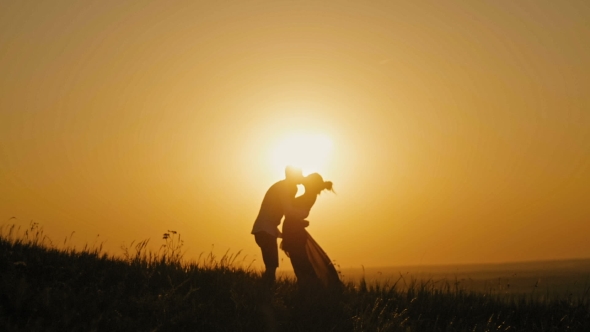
{"x": 272, "y": 207}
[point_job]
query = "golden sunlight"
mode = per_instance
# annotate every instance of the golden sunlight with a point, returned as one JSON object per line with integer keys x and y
{"x": 310, "y": 152}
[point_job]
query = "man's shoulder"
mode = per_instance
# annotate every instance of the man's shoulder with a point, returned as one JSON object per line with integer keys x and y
{"x": 283, "y": 185}
{"x": 279, "y": 185}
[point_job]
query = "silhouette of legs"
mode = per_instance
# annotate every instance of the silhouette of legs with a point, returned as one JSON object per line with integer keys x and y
{"x": 270, "y": 255}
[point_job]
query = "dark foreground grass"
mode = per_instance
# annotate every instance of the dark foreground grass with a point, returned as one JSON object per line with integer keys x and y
{"x": 43, "y": 288}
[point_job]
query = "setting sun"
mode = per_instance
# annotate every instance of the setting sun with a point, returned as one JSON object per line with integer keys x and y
{"x": 311, "y": 152}
{"x": 452, "y": 139}
{"x": 460, "y": 131}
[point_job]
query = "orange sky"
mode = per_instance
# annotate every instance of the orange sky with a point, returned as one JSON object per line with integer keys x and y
{"x": 460, "y": 133}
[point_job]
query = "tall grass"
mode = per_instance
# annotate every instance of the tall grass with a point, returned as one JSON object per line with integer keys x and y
{"x": 44, "y": 287}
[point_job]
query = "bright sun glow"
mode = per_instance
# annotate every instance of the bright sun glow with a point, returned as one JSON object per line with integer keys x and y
{"x": 310, "y": 152}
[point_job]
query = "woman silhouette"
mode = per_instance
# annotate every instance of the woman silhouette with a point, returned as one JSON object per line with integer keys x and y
{"x": 310, "y": 263}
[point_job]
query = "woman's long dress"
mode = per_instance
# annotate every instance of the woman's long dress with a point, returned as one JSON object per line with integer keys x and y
{"x": 310, "y": 262}
{"x": 322, "y": 265}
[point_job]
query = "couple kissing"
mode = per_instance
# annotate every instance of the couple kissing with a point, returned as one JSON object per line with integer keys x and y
{"x": 311, "y": 264}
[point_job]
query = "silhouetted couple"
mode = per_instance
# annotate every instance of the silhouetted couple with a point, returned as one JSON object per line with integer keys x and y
{"x": 311, "y": 264}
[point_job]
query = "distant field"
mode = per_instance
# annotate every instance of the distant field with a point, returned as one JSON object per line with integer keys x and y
{"x": 546, "y": 278}
{"x": 553, "y": 279}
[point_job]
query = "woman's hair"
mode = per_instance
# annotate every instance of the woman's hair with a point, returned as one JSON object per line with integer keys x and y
{"x": 315, "y": 180}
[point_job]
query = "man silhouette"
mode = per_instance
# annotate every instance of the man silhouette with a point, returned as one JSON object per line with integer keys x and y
{"x": 277, "y": 202}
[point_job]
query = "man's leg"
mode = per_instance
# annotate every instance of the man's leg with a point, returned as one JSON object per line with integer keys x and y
{"x": 270, "y": 255}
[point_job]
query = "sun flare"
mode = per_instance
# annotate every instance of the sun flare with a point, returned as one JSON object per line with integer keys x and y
{"x": 310, "y": 152}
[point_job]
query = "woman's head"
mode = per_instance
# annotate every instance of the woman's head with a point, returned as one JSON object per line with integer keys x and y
{"x": 314, "y": 183}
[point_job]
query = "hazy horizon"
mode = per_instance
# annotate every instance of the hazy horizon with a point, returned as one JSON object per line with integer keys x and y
{"x": 453, "y": 133}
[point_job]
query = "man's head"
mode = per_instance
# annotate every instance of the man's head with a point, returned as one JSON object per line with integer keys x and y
{"x": 294, "y": 174}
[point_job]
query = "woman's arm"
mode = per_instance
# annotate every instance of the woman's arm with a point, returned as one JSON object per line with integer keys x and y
{"x": 292, "y": 210}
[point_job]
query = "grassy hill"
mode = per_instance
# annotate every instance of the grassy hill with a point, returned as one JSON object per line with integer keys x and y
{"x": 46, "y": 288}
